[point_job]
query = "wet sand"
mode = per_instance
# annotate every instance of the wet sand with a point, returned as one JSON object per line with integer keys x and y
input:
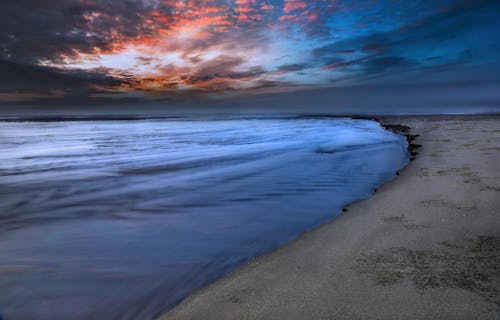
{"x": 425, "y": 246}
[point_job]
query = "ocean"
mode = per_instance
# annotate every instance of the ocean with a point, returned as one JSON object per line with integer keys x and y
{"x": 122, "y": 219}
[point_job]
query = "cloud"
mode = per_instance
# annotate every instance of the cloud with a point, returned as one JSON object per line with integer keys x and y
{"x": 33, "y": 30}
{"x": 292, "y": 5}
{"x": 294, "y": 67}
{"x": 93, "y": 50}
{"x": 221, "y": 73}
{"x": 35, "y": 80}
{"x": 384, "y": 63}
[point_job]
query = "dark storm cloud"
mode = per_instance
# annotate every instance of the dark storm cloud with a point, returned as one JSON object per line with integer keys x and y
{"x": 21, "y": 78}
{"x": 32, "y": 29}
{"x": 224, "y": 69}
{"x": 218, "y": 67}
{"x": 380, "y": 64}
{"x": 262, "y": 84}
{"x": 294, "y": 67}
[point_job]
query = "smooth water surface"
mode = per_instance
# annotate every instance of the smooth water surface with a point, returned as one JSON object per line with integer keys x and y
{"x": 122, "y": 219}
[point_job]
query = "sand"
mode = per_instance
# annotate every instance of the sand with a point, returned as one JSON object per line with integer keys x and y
{"x": 425, "y": 246}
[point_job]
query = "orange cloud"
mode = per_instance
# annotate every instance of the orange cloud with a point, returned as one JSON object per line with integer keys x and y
{"x": 177, "y": 46}
{"x": 290, "y": 18}
{"x": 245, "y": 2}
{"x": 292, "y": 5}
{"x": 313, "y": 17}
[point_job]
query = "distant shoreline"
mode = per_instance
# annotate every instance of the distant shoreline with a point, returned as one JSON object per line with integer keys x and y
{"x": 375, "y": 117}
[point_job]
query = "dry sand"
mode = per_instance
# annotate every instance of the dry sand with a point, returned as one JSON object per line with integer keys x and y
{"x": 425, "y": 246}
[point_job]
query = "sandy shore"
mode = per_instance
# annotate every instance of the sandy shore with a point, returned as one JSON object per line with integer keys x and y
{"x": 425, "y": 246}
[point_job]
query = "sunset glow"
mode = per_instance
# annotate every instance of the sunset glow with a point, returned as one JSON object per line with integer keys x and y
{"x": 185, "y": 50}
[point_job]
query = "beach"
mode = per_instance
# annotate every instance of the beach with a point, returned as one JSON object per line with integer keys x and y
{"x": 426, "y": 245}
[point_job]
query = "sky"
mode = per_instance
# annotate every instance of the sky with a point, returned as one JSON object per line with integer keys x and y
{"x": 334, "y": 56}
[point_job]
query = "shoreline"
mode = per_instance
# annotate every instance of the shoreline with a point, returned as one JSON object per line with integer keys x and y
{"x": 404, "y": 131}
{"x": 306, "y": 279}
{"x": 395, "y": 128}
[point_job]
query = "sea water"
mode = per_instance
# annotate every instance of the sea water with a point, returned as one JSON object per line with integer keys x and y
{"x": 123, "y": 219}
